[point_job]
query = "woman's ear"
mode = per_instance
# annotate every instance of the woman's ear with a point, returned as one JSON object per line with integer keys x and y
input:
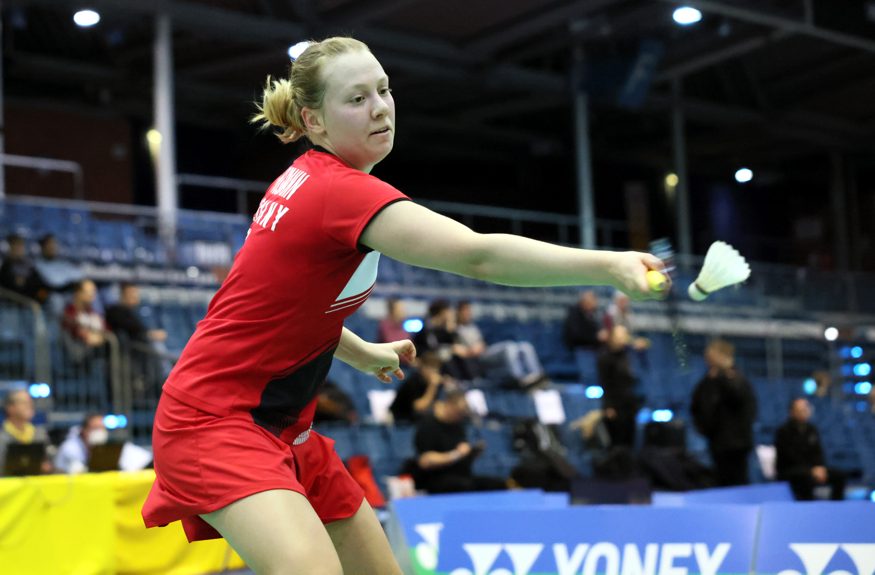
{"x": 312, "y": 121}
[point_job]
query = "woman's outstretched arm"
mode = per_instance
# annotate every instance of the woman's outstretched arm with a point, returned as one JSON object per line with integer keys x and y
{"x": 416, "y": 235}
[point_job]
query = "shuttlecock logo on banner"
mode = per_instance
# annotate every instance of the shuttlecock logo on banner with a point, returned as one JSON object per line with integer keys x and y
{"x": 816, "y": 558}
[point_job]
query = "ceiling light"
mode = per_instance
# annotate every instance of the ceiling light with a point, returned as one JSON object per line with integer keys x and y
{"x": 686, "y": 15}
{"x": 296, "y": 50}
{"x": 86, "y": 18}
{"x": 743, "y": 175}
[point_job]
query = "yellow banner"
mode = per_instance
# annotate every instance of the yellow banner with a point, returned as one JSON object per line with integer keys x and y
{"x": 90, "y": 524}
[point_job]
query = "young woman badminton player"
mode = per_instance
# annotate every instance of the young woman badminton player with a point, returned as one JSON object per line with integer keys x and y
{"x": 234, "y": 453}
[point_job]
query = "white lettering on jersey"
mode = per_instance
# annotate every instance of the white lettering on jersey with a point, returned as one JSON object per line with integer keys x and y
{"x": 360, "y": 284}
{"x": 266, "y": 211}
{"x": 287, "y": 184}
{"x": 281, "y": 211}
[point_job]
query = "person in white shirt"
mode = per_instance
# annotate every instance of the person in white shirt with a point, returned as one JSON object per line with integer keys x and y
{"x": 73, "y": 453}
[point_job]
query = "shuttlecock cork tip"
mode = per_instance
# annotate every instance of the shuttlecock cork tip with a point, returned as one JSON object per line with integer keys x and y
{"x": 696, "y": 293}
{"x": 723, "y": 267}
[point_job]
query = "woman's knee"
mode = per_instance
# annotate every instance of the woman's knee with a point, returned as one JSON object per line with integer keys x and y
{"x": 309, "y": 563}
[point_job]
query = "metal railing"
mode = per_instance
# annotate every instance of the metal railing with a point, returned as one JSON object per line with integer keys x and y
{"x": 144, "y": 369}
{"x": 86, "y": 377}
{"x": 33, "y": 363}
{"x": 40, "y": 164}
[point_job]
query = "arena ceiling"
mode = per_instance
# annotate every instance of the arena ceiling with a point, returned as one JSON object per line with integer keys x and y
{"x": 764, "y": 79}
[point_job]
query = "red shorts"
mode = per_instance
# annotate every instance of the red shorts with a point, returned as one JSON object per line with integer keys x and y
{"x": 204, "y": 462}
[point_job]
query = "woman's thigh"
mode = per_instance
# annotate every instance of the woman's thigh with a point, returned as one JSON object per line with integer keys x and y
{"x": 361, "y": 544}
{"x": 277, "y": 532}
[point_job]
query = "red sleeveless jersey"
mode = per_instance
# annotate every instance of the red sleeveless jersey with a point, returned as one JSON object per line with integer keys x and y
{"x": 270, "y": 332}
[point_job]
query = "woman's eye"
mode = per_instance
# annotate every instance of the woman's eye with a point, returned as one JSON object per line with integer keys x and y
{"x": 384, "y": 91}
{"x": 358, "y": 99}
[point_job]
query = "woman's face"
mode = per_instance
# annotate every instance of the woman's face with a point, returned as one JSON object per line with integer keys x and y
{"x": 357, "y": 119}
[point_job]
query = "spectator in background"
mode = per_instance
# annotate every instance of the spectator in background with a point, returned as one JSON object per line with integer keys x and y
{"x": 144, "y": 347}
{"x": 18, "y": 273}
{"x": 724, "y": 409}
{"x": 334, "y": 404}
{"x": 58, "y": 274}
{"x": 18, "y": 425}
{"x": 620, "y": 401}
{"x": 620, "y": 313}
{"x": 514, "y": 360}
{"x": 823, "y": 383}
{"x": 391, "y": 327}
{"x": 799, "y": 456}
{"x": 417, "y": 393}
{"x": 84, "y": 329}
{"x": 584, "y": 334}
{"x": 73, "y": 453}
{"x": 439, "y": 335}
{"x": 444, "y": 455}
{"x": 123, "y": 317}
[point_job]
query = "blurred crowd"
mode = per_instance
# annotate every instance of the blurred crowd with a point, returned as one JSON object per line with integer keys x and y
{"x": 454, "y": 358}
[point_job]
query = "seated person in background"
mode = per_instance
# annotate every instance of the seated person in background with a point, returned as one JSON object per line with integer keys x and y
{"x": 144, "y": 346}
{"x": 620, "y": 401}
{"x": 73, "y": 453}
{"x": 56, "y": 273}
{"x": 391, "y": 327}
{"x": 18, "y": 425}
{"x": 123, "y": 318}
{"x": 439, "y": 335}
{"x": 724, "y": 409}
{"x": 444, "y": 456}
{"x": 18, "y": 273}
{"x": 84, "y": 328}
{"x": 799, "y": 456}
{"x": 583, "y": 333}
{"x": 333, "y": 404}
{"x": 417, "y": 393}
{"x": 514, "y": 360}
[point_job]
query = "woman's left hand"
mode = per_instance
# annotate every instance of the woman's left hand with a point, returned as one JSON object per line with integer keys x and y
{"x": 383, "y": 359}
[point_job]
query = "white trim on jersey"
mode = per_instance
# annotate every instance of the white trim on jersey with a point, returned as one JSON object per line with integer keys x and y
{"x": 360, "y": 284}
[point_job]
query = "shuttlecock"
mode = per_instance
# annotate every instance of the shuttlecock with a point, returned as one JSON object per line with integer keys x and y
{"x": 723, "y": 267}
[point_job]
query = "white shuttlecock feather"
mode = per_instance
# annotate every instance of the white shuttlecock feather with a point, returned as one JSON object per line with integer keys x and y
{"x": 723, "y": 267}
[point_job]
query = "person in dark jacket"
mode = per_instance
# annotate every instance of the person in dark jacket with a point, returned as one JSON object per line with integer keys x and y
{"x": 620, "y": 400}
{"x": 417, "y": 394}
{"x": 444, "y": 455}
{"x": 123, "y": 317}
{"x": 439, "y": 335}
{"x": 583, "y": 326}
{"x": 724, "y": 409}
{"x": 144, "y": 347}
{"x": 584, "y": 334}
{"x": 800, "y": 460}
{"x": 17, "y": 273}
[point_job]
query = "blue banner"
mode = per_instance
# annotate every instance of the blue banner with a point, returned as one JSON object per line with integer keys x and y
{"x": 422, "y": 518}
{"x": 819, "y": 538}
{"x": 746, "y": 495}
{"x": 609, "y": 540}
